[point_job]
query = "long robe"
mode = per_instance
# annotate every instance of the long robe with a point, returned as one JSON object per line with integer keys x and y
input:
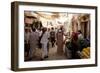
{"x": 44, "y": 42}
{"x": 59, "y": 37}
{"x": 34, "y": 37}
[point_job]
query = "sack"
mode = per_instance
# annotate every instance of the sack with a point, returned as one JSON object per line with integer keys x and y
{"x": 85, "y": 53}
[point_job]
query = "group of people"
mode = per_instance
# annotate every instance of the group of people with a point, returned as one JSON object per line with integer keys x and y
{"x": 40, "y": 38}
{"x": 77, "y": 44}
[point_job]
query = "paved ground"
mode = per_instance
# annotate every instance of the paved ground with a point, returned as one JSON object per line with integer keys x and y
{"x": 52, "y": 55}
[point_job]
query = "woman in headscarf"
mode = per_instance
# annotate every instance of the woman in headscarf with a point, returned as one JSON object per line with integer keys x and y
{"x": 74, "y": 46}
{"x": 59, "y": 37}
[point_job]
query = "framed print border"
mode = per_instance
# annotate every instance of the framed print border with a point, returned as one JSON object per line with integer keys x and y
{"x": 15, "y": 39}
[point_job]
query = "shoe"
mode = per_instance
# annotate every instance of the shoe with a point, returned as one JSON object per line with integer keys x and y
{"x": 41, "y": 59}
{"x": 30, "y": 58}
{"x": 46, "y": 57}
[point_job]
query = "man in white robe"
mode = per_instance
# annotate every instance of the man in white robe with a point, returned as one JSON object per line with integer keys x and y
{"x": 34, "y": 37}
{"x": 44, "y": 42}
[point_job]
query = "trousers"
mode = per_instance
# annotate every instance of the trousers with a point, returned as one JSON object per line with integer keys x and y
{"x": 44, "y": 50}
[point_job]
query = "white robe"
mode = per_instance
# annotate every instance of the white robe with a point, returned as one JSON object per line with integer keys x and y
{"x": 45, "y": 37}
{"x": 44, "y": 42}
{"x": 34, "y": 37}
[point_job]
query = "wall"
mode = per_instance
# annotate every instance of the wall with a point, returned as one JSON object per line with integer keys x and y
{"x": 5, "y": 34}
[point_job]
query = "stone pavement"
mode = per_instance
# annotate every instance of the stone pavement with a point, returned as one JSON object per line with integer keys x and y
{"x": 52, "y": 55}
